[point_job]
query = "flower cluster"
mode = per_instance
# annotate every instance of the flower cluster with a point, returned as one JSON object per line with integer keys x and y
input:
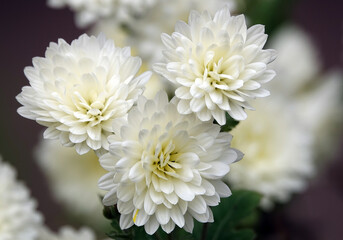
{"x": 164, "y": 160}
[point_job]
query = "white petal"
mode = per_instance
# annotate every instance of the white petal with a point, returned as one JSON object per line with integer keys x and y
{"x": 106, "y": 182}
{"x": 141, "y": 218}
{"x": 125, "y": 221}
{"x": 166, "y": 186}
{"x": 237, "y": 112}
{"x": 149, "y": 205}
{"x": 183, "y": 107}
{"x": 137, "y": 173}
{"x": 219, "y": 116}
{"x": 183, "y": 191}
{"x": 169, "y": 227}
{"x": 125, "y": 207}
{"x": 198, "y": 205}
{"x": 189, "y": 223}
{"x": 221, "y": 188}
{"x": 162, "y": 214}
{"x": 183, "y": 93}
{"x": 151, "y": 226}
{"x": 177, "y": 216}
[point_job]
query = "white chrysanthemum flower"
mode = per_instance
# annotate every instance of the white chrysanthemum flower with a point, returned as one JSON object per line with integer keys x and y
{"x": 67, "y": 233}
{"x": 73, "y": 180}
{"x": 291, "y": 78}
{"x": 19, "y": 219}
{"x": 89, "y": 11}
{"x": 217, "y": 64}
{"x": 165, "y": 168}
{"x": 78, "y": 90}
{"x": 277, "y": 153}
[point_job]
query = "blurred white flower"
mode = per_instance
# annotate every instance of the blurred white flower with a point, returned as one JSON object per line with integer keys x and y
{"x": 90, "y": 11}
{"x": 67, "y": 233}
{"x": 165, "y": 168}
{"x": 297, "y": 63}
{"x": 277, "y": 153}
{"x": 114, "y": 31}
{"x": 78, "y": 90}
{"x": 145, "y": 32}
{"x": 217, "y": 64}
{"x": 19, "y": 219}
{"x": 155, "y": 85}
{"x": 73, "y": 180}
{"x": 316, "y": 95}
{"x": 320, "y": 108}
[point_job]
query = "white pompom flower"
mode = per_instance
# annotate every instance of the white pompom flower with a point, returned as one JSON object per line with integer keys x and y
{"x": 19, "y": 218}
{"x": 217, "y": 64}
{"x": 78, "y": 90}
{"x": 165, "y": 168}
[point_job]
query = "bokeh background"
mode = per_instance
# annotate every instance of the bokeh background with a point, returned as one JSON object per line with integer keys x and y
{"x": 27, "y": 27}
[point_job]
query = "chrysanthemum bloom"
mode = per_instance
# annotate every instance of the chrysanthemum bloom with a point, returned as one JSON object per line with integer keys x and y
{"x": 19, "y": 219}
{"x": 277, "y": 153}
{"x": 70, "y": 175}
{"x": 165, "y": 168}
{"x": 217, "y": 64}
{"x": 78, "y": 90}
{"x": 89, "y": 11}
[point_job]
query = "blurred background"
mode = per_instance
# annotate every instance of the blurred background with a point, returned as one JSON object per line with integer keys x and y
{"x": 29, "y": 26}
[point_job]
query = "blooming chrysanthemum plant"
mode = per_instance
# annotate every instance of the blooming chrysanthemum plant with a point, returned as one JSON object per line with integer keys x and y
{"x": 217, "y": 64}
{"x": 77, "y": 90}
{"x": 19, "y": 218}
{"x": 165, "y": 168}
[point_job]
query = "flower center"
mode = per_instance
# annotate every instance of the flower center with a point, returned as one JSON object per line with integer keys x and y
{"x": 214, "y": 71}
{"x": 215, "y": 74}
{"x": 163, "y": 160}
{"x": 90, "y": 107}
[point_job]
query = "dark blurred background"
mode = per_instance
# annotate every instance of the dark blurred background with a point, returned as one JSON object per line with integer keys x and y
{"x": 28, "y": 26}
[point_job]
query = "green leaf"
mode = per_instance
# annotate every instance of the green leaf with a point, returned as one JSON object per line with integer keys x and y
{"x": 230, "y": 123}
{"x": 231, "y": 213}
{"x": 232, "y": 217}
